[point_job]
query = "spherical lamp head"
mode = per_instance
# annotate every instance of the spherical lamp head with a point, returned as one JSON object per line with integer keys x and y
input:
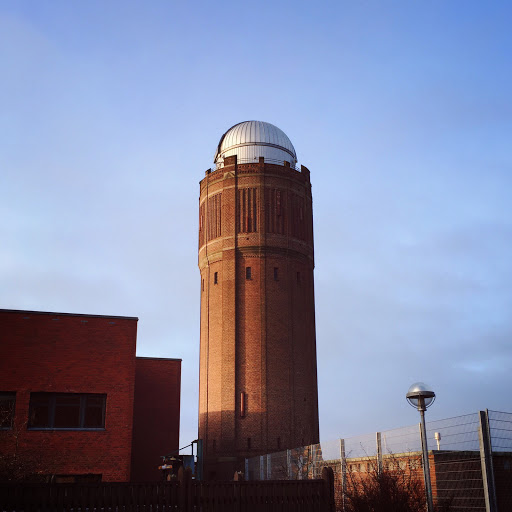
{"x": 420, "y": 395}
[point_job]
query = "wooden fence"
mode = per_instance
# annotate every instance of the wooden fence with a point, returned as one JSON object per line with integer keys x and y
{"x": 184, "y": 495}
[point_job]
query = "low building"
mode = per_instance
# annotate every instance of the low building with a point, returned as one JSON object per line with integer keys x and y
{"x": 75, "y": 402}
{"x": 456, "y": 477}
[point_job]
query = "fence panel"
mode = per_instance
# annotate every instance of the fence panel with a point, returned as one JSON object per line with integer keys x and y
{"x": 184, "y": 496}
{"x": 500, "y": 426}
{"x": 454, "y": 457}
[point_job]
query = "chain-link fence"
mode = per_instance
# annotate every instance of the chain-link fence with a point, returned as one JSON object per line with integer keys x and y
{"x": 470, "y": 460}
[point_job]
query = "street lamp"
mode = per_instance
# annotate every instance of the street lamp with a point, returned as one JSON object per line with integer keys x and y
{"x": 421, "y": 396}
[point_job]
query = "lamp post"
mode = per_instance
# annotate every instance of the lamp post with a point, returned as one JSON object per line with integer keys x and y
{"x": 421, "y": 396}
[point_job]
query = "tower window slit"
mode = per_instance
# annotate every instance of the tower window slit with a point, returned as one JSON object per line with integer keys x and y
{"x": 242, "y": 404}
{"x": 216, "y": 278}
{"x": 216, "y": 216}
{"x": 247, "y": 217}
{"x": 276, "y": 274}
{"x": 273, "y": 213}
{"x": 248, "y": 273}
{"x": 244, "y": 210}
{"x": 237, "y": 215}
{"x": 219, "y": 216}
{"x": 254, "y": 211}
{"x": 213, "y": 220}
{"x": 249, "y": 210}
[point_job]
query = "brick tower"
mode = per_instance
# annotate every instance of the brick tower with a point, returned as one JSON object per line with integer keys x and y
{"x": 258, "y": 382}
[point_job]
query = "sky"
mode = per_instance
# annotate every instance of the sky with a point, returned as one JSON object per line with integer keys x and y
{"x": 110, "y": 113}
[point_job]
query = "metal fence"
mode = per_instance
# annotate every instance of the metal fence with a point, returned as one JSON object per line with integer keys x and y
{"x": 182, "y": 495}
{"x": 255, "y": 160}
{"x": 470, "y": 461}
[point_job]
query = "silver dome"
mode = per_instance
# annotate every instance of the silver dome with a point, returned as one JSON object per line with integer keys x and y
{"x": 251, "y": 139}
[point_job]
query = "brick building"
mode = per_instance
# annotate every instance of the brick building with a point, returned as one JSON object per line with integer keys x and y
{"x": 69, "y": 386}
{"x": 456, "y": 477}
{"x": 258, "y": 382}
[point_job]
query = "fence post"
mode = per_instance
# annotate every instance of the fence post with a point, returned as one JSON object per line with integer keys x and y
{"x": 185, "y": 496}
{"x": 182, "y": 479}
{"x": 190, "y": 498}
{"x": 199, "y": 468}
{"x": 379, "y": 453}
{"x": 484, "y": 435}
{"x": 289, "y": 463}
{"x": 343, "y": 472}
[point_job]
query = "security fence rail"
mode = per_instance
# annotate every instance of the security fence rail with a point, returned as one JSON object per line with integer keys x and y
{"x": 470, "y": 461}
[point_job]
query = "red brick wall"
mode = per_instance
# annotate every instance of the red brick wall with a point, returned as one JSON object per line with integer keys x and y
{"x": 257, "y": 335}
{"x": 63, "y": 353}
{"x": 156, "y": 422}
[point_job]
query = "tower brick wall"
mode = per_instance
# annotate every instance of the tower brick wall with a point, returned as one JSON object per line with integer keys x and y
{"x": 258, "y": 382}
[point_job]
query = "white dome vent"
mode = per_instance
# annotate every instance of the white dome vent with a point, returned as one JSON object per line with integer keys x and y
{"x": 251, "y": 140}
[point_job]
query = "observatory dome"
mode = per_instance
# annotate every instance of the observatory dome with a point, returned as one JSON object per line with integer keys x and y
{"x": 251, "y": 139}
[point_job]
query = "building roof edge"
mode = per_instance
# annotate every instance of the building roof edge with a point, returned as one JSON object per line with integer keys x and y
{"x": 160, "y": 358}
{"x": 25, "y": 311}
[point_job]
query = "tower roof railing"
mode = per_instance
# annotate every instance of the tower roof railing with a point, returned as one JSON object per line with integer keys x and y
{"x": 255, "y": 161}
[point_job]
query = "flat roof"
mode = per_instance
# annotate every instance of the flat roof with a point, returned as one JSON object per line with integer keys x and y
{"x": 25, "y": 312}
{"x": 160, "y": 358}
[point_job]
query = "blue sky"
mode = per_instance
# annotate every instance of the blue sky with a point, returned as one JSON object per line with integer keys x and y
{"x": 111, "y": 113}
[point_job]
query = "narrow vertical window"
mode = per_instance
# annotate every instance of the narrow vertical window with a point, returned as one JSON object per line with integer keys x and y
{"x": 242, "y": 405}
{"x": 254, "y": 212}
{"x": 216, "y": 278}
{"x": 276, "y": 274}
{"x": 248, "y": 443}
{"x": 248, "y": 273}
{"x": 278, "y": 443}
{"x": 202, "y": 285}
{"x": 298, "y": 277}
